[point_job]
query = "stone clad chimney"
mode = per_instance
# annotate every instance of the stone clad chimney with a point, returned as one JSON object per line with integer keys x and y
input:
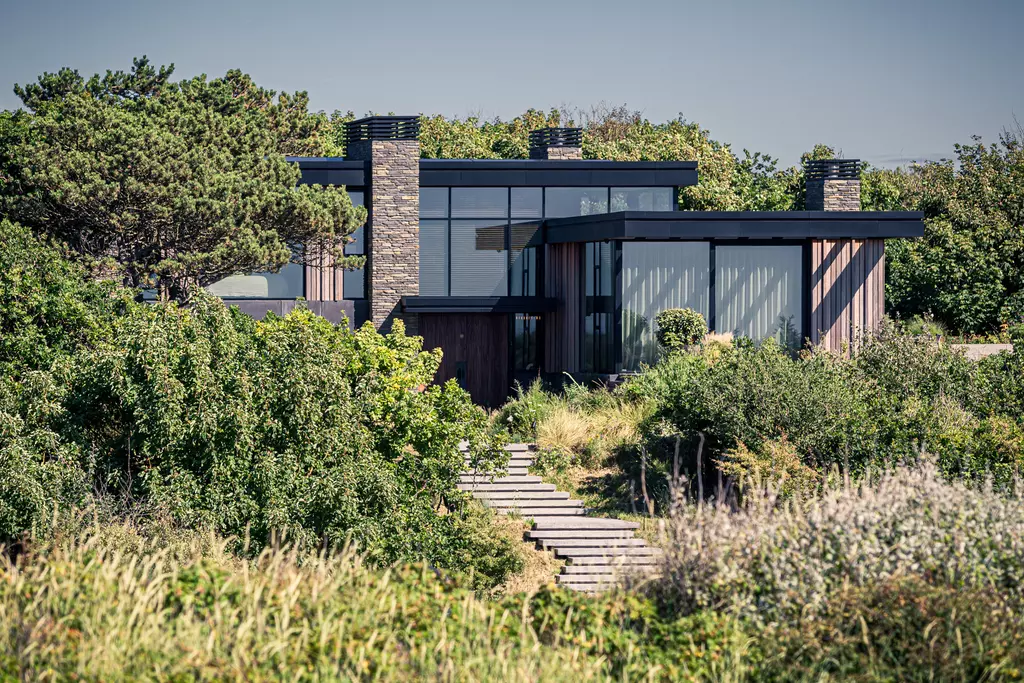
{"x": 556, "y": 143}
{"x": 833, "y": 184}
{"x": 390, "y": 145}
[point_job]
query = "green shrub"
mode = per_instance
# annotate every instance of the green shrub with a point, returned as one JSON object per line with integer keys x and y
{"x": 679, "y": 328}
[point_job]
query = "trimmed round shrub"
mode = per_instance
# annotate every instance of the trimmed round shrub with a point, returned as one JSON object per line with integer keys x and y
{"x": 679, "y": 328}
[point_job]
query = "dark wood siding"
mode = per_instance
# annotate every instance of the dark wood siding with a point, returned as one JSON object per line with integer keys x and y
{"x": 847, "y": 290}
{"x": 477, "y": 341}
{"x": 562, "y": 280}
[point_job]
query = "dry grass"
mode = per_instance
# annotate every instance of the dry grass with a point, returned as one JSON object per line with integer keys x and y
{"x": 96, "y": 609}
{"x": 540, "y": 566}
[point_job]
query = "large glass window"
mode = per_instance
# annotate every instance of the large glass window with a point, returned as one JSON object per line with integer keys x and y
{"x": 657, "y": 276}
{"x": 759, "y": 292}
{"x": 575, "y": 201}
{"x": 354, "y": 281}
{"x": 527, "y": 202}
{"x": 433, "y": 258}
{"x": 524, "y": 342}
{"x": 288, "y": 283}
{"x": 641, "y": 199}
{"x": 599, "y": 308}
{"x": 525, "y": 242}
{"x": 479, "y": 202}
{"x": 433, "y": 202}
{"x": 479, "y": 265}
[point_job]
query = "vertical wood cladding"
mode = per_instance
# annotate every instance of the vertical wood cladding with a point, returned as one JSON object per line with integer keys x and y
{"x": 323, "y": 280}
{"x": 562, "y": 281}
{"x": 478, "y": 342}
{"x": 847, "y": 290}
{"x": 392, "y": 227}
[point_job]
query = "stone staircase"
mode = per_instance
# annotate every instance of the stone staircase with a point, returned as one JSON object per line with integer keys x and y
{"x": 597, "y": 551}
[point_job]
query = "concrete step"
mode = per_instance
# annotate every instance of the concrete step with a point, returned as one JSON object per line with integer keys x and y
{"x": 555, "y": 543}
{"x": 522, "y": 495}
{"x": 579, "y": 534}
{"x": 616, "y": 561}
{"x": 541, "y": 513}
{"x": 628, "y": 551}
{"x": 511, "y": 479}
{"x": 586, "y": 523}
{"x": 608, "y": 569}
{"x": 506, "y": 487}
{"x": 520, "y": 474}
{"x": 587, "y": 579}
{"x": 509, "y": 500}
{"x": 510, "y": 447}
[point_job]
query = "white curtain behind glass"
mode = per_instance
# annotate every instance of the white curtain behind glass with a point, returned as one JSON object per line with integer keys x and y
{"x": 657, "y": 276}
{"x": 758, "y": 292}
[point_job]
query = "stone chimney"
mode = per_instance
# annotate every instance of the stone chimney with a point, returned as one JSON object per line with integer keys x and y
{"x": 833, "y": 185}
{"x": 390, "y": 145}
{"x": 556, "y": 143}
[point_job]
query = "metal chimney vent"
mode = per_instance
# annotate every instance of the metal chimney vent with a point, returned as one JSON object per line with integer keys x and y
{"x": 543, "y": 138}
{"x": 832, "y": 169}
{"x": 383, "y": 128}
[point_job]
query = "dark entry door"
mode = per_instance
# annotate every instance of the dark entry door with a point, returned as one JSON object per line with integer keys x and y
{"x": 475, "y": 347}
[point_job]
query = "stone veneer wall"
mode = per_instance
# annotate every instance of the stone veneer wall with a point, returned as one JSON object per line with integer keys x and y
{"x": 392, "y": 227}
{"x": 564, "y": 153}
{"x": 833, "y": 195}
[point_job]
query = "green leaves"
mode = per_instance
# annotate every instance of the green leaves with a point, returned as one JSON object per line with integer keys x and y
{"x": 180, "y": 184}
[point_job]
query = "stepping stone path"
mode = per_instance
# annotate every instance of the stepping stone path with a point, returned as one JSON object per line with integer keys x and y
{"x": 597, "y": 551}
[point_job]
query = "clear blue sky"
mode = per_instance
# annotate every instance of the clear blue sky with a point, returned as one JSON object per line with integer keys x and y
{"x": 884, "y": 80}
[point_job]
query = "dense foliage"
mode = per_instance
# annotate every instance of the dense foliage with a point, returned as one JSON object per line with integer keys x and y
{"x": 679, "y": 328}
{"x": 289, "y": 425}
{"x": 178, "y": 184}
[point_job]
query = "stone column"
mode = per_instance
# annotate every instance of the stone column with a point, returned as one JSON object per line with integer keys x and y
{"x": 833, "y": 185}
{"x": 556, "y": 143}
{"x": 392, "y": 227}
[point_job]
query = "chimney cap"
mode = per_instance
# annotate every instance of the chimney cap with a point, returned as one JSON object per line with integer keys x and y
{"x": 556, "y": 137}
{"x": 832, "y": 169}
{"x": 383, "y": 128}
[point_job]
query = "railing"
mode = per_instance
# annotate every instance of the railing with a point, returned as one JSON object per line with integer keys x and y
{"x": 383, "y": 128}
{"x": 556, "y": 137}
{"x": 832, "y": 169}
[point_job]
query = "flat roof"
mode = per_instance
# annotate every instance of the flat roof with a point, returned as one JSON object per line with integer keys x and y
{"x": 477, "y": 304}
{"x": 510, "y": 172}
{"x": 754, "y": 225}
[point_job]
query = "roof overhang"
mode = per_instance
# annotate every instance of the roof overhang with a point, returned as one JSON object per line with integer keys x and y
{"x": 477, "y": 304}
{"x": 738, "y": 225}
{"x": 331, "y": 171}
{"x": 555, "y": 173}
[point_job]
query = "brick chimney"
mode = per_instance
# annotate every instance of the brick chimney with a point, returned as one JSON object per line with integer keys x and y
{"x": 390, "y": 144}
{"x": 833, "y": 185}
{"x": 556, "y": 143}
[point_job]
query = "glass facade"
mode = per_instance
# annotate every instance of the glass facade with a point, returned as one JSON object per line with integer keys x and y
{"x": 657, "y": 276}
{"x": 484, "y": 241}
{"x": 354, "y": 281}
{"x": 759, "y": 292}
{"x": 599, "y": 307}
{"x": 288, "y": 283}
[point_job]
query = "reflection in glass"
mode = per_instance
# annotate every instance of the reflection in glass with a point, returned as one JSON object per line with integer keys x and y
{"x": 353, "y": 282}
{"x": 599, "y": 302}
{"x": 525, "y": 239}
{"x": 288, "y": 283}
{"x": 575, "y": 201}
{"x": 479, "y": 202}
{"x": 527, "y": 202}
{"x": 641, "y": 199}
{"x": 524, "y": 341}
{"x": 657, "y": 276}
{"x": 478, "y": 259}
{"x": 433, "y": 258}
{"x": 758, "y": 292}
{"x": 433, "y": 202}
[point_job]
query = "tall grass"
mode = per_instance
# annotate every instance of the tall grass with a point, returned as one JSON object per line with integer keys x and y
{"x": 97, "y": 609}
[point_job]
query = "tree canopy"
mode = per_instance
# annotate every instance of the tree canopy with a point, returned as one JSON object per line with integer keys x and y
{"x": 174, "y": 184}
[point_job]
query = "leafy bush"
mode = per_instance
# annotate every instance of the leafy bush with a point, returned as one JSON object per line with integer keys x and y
{"x": 772, "y": 562}
{"x": 679, "y": 328}
{"x": 287, "y": 425}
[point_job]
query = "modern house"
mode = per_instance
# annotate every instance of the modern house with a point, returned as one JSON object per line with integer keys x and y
{"x": 558, "y": 264}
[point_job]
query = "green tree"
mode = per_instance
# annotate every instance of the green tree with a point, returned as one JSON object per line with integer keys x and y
{"x": 968, "y": 269}
{"x": 178, "y": 184}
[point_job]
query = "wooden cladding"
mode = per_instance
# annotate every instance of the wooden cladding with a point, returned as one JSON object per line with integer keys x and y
{"x": 847, "y": 290}
{"x": 323, "y": 280}
{"x": 562, "y": 281}
{"x": 475, "y": 347}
